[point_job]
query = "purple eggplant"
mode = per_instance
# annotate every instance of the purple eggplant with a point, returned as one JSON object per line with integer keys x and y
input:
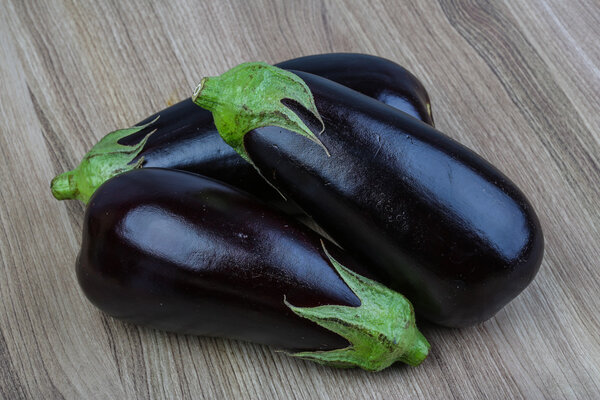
{"x": 432, "y": 219}
{"x": 184, "y": 137}
{"x": 184, "y": 253}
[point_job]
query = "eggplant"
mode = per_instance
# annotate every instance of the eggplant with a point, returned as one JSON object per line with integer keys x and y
{"x": 432, "y": 219}
{"x": 184, "y": 137}
{"x": 373, "y": 76}
{"x": 184, "y": 253}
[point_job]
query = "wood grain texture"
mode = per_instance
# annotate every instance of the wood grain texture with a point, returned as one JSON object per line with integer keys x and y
{"x": 517, "y": 81}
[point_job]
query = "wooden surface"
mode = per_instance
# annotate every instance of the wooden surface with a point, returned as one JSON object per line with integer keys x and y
{"x": 519, "y": 82}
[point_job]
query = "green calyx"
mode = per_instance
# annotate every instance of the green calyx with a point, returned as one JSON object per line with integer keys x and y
{"x": 381, "y": 331}
{"x": 106, "y": 159}
{"x": 250, "y": 96}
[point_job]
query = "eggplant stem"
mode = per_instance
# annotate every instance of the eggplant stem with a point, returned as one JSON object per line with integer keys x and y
{"x": 250, "y": 96}
{"x": 106, "y": 159}
{"x": 381, "y": 331}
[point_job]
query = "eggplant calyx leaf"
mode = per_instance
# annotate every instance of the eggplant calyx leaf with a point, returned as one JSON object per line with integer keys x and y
{"x": 106, "y": 159}
{"x": 249, "y": 96}
{"x": 381, "y": 331}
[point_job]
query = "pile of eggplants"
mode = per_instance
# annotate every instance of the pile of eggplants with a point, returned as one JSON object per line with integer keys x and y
{"x": 184, "y": 136}
{"x": 192, "y": 226}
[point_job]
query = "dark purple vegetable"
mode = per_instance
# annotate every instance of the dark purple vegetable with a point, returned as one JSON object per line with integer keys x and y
{"x": 185, "y": 137}
{"x": 433, "y": 219}
{"x": 183, "y": 253}
{"x": 373, "y": 76}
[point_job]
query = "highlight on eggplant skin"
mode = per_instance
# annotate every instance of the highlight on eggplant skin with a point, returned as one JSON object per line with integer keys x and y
{"x": 184, "y": 253}
{"x": 433, "y": 219}
{"x": 184, "y": 137}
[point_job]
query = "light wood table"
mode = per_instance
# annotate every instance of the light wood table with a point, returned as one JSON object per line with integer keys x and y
{"x": 519, "y": 82}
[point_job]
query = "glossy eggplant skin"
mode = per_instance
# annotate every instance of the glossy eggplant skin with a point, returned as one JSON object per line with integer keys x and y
{"x": 433, "y": 219}
{"x": 373, "y": 76}
{"x": 186, "y": 138}
{"x": 183, "y": 253}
